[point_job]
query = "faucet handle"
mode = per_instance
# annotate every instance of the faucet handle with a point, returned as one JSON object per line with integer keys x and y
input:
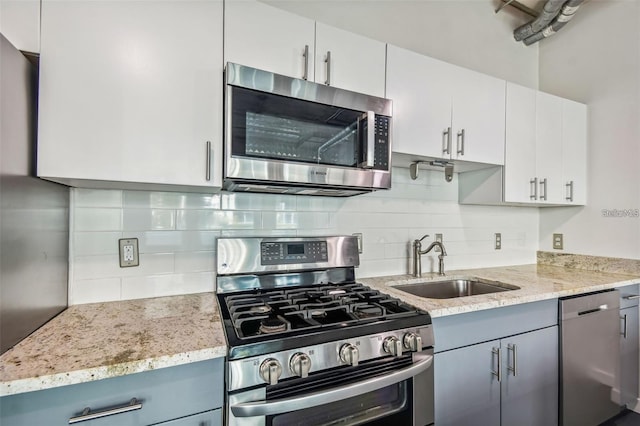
{"x": 420, "y": 240}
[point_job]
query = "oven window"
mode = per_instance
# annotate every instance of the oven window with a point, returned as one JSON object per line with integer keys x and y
{"x": 276, "y": 127}
{"x": 382, "y": 407}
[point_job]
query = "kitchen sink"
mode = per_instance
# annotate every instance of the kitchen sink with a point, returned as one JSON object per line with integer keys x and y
{"x": 451, "y": 288}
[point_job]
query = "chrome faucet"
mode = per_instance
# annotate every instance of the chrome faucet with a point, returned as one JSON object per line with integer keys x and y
{"x": 417, "y": 252}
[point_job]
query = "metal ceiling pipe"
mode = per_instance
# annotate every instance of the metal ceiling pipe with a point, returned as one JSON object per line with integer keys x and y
{"x": 568, "y": 11}
{"x": 549, "y": 11}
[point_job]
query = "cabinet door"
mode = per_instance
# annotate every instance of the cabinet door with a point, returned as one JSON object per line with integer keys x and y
{"x": 268, "y": 38}
{"x": 210, "y": 418}
{"x": 478, "y": 117}
{"x": 20, "y": 23}
{"x": 420, "y": 88}
{"x": 466, "y": 390}
{"x": 530, "y": 378}
{"x": 574, "y": 152}
{"x": 131, "y": 92}
{"x": 520, "y": 144}
{"x": 356, "y": 63}
{"x": 549, "y": 148}
{"x": 629, "y": 354}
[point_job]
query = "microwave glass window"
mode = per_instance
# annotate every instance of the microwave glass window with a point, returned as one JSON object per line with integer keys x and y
{"x": 277, "y": 127}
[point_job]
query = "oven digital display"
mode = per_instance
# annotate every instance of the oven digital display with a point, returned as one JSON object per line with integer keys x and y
{"x": 282, "y": 253}
{"x": 295, "y": 248}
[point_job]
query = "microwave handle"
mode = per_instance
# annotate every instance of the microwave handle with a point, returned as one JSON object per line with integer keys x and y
{"x": 371, "y": 140}
{"x": 259, "y": 408}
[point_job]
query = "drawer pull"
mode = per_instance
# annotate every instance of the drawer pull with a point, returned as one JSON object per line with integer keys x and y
{"x": 88, "y": 415}
{"x": 631, "y": 297}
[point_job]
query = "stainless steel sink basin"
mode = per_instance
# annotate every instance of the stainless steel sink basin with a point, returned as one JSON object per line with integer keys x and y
{"x": 449, "y": 289}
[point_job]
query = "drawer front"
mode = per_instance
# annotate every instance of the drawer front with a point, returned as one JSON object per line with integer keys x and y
{"x": 628, "y": 295}
{"x": 165, "y": 394}
{"x": 456, "y": 331}
{"x": 210, "y": 418}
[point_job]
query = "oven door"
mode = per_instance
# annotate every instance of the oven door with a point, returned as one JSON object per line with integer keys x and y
{"x": 389, "y": 391}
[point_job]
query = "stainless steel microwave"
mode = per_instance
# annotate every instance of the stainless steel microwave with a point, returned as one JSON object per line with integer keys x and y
{"x": 286, "y": 135}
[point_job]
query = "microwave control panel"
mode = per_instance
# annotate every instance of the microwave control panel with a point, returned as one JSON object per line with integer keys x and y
{"x": 381, "y": 153}
{"x": 281, "y": 253}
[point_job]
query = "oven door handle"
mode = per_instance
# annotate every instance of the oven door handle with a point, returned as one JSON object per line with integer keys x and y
{"x": 255, "y": 409}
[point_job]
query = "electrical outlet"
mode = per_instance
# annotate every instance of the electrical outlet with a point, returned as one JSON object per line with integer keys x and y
{"x": 557, "y": 241}
{"x": 498, "y": 242}
{"x": 358, "y": 235}
{"x": 129, "y": 252}
{"x": 438, "y": 238}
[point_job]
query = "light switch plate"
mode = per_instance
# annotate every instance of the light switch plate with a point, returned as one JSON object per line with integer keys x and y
{"x": 557, "y": 242}
{"x": 358, "y": 235}
{"x": 498, "y": 241}
{"x": 129, "y": 252}
{"x": 438, "y": 238}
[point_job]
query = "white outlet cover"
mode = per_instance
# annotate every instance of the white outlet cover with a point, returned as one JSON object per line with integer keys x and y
{"x": 128, "y": 252}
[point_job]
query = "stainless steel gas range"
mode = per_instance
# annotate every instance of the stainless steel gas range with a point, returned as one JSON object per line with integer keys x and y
{"x": 310, "y": 346}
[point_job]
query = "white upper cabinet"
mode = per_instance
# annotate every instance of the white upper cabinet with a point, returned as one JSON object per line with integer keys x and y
{"x": 545, "y": 154}
{"x": 549, "y": 148}
{"x": 355, "y": 62}
{"x": 478, "y": 117}
{"x": 574, "y": 152}
{"x": 271, "y": 39}
{"x": 444, "y": 111}
{"x": 264, "y": 37}
{"x": 131, "y": 92}
{"x": 520, "y": 181}
{"x": 20, "y": 23}
{"x": 420, "y": 89}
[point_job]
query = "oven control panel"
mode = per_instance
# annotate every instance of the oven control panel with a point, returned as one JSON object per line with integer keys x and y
{"x": 272, "y": 368}
{"x": 284, "y": 252}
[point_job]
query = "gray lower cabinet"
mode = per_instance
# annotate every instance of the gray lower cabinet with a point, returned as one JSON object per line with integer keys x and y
{"x": 186, "y": 395}
{"x": 629, "y": 345}
{"x": 497, "y": 367}
{"x": 511, "y": 381}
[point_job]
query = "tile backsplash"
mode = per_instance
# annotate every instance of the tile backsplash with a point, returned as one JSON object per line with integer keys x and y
{"x": 177, "y": 232}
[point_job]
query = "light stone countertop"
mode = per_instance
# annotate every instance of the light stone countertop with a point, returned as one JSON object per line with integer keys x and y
{"x": 536, "y": 282}
{"x": 103, "y": 340}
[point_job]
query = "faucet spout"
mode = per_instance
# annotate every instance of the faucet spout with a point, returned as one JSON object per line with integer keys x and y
{"x": 418, "y": 252}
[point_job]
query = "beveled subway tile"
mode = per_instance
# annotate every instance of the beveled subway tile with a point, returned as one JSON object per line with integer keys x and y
{"x": 167, "y": 285}
{"x": 93, "y": 291}
{"x": 97, "y": 197}
{"x": 175, "y": 241}
{"x": 295, "y": 220}
{"x": 258, "y": 233}
{"x": 148, "y": 219}
{"x": 195, "y": 261}
{"x": 263, "y": 202}
{"x": 214, "y": 220}
{"x": 97, "y": 219}
{"x": 95, "y": 243}
{"x": 170, "y": 200}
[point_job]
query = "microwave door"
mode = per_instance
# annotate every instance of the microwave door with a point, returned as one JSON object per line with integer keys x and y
{"x": 367, "y": 139}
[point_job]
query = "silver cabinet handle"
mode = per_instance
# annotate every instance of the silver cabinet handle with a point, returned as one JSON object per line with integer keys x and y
{"x": 631, "y": 297}
{"x": 327, "y": 61}
{"x": 446, "y": 141}
{"x": 514, "y": 369}
{"x": 543, "y": 186}
{"x": 261, "y": 408}
{"x": 88, "y": 415}
{"x": 208, "y": 157}
{"x": 305, "y": 55}
{"x": 460, "y": 142}
{"x": 624, "y": 327}
{"x": 534, "y": 188}
{"x": 570, "y": 189}
{"x": 498, "y": 372}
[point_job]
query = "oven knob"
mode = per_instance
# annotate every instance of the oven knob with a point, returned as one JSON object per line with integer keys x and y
{"x": 349, "y": 354}
{"x": 412, "y": 341}
{"x": 270, "y": 371}
{"x": 392, "y": 345}
{"x": 300, "y": 364}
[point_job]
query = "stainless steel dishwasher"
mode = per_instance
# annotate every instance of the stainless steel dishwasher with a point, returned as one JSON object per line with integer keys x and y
{"x": 590, "y": 358}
